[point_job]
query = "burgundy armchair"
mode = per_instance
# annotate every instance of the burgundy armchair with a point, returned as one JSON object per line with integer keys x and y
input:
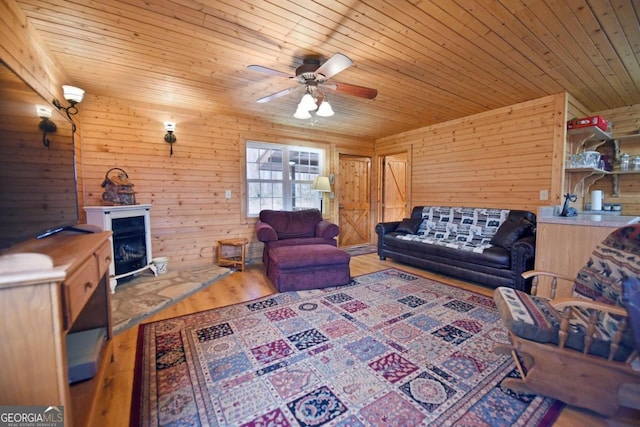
{"x": 285, "y": 228}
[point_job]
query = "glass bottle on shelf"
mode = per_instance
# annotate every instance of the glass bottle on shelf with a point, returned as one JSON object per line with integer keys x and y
{"x": 636, "y": 163}
{"x": 624, "y": 162}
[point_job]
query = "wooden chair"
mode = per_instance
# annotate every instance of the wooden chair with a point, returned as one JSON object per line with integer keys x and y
{"x": 580, "y": 349}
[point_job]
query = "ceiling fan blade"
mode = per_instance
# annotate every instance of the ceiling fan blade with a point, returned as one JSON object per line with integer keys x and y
{"x": 334, "y": 65}
{"x": 349, "y": 89}
{"x": 275, "y": 95}
{"x": 271, "y": 71}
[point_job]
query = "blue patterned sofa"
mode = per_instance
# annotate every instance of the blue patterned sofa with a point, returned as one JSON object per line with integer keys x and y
{"x": 487, "y": 246}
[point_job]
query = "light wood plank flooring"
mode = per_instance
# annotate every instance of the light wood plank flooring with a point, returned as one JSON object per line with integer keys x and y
{"x": 115, "y": 402}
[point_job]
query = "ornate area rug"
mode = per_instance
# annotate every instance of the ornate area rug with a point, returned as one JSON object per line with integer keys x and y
{"x": 145, "y": 295}
{"x": 389, "y": 349}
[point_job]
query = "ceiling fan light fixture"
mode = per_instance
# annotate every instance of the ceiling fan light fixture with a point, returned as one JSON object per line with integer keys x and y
{"x": 302, "y": 113}
{"x": 325, "y": 110}
{"x": 308, "y": 102}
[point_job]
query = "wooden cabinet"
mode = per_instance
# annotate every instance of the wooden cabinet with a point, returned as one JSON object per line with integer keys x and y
{"x": 566, "y": 245}
{"x": 42, "y": 299}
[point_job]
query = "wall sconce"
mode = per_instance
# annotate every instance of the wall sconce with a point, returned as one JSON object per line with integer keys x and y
{"x": 45, "y": 125}
{"x": 321, "y": 183}
{"x": 73, "y": 95}
{"x": 169, "y": 137}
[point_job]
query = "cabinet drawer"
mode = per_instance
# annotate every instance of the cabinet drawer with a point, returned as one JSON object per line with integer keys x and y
{"x": 79, "y": 287}
{"x": 104, "y": 257}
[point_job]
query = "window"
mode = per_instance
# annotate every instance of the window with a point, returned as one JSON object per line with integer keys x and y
{"x": 280, "y": 177}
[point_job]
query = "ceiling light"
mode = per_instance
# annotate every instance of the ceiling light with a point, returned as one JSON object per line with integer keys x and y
{"x": 325, "y": 110}
{"x": 302, "y": 112}
{"x": 308, "y": 102}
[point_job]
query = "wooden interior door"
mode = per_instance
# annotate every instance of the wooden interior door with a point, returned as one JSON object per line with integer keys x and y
{"x": 394, "y": 187}
{"x": 354, "y": 200}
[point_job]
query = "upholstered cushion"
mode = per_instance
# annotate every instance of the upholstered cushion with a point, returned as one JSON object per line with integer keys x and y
{"x": 265, "y": 232}
{"x": 533, "y": 318}
{"x": 409, "y": 226}
{"x": 527, "y": 316}
{"x": 631, "y": 300}
{"x": 510, "y": 231}
{"x": 327, "y": 230}
{"x": 616, "y": 258}
{"x": 289, "y": 225}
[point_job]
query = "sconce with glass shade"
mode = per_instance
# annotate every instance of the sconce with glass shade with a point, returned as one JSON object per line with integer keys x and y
{"x": 73, "y": 95}
{"x": 45, "y": 125}
{"x": 169, "y": 137}
{"x": 321, "y": 183}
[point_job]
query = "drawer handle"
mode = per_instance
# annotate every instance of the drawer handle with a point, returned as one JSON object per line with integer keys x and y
{"x": 88, "y": 285}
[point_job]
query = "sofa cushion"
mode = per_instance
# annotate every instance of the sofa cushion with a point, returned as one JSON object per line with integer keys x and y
{"x": 409, "y": 226}
{"x": 494, "y": 257}
{"x": 510, "y": 231}
{"x": 294, "y": 224}
{"x": 475, "y": 226}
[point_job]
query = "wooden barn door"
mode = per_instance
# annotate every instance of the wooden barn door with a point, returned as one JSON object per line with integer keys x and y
{"x": 394, "y": 187}
{"x": 354, "y": 200}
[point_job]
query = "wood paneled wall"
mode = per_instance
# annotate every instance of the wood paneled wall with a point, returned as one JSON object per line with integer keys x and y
{"x": 187, "y": 190}
{"x": 502, "y": 158}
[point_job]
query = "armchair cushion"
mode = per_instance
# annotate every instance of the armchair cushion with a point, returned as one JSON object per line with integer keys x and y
{"x": 631, "y": 300}
{"x": 291, "y": 225}
{"x": 534, "y": 318}
{"x": 612, "y": 261}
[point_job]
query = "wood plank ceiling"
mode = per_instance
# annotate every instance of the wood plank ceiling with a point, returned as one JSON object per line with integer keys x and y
{"x": 431, "y": 61}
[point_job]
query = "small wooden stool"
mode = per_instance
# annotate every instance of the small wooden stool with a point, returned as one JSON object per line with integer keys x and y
{"x": 235, "y": 261}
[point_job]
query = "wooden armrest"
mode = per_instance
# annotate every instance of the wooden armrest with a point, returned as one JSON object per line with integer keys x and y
{"x": 554, "y": 281}
{"x": 533, "y": 273}
{"x": 564, "y": 302}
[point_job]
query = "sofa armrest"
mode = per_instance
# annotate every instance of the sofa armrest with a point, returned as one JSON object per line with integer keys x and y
{"x": 326, "y": 229}
{"x": 383, "y": 228}
{"x": 523, "y": 253}
{"x": 265, "y": 232}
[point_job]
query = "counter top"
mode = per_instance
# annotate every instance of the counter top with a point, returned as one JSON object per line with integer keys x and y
{"x": 593, "y": 220}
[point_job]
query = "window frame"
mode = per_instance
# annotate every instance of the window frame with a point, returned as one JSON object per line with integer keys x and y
{"x": 285, "y": 181}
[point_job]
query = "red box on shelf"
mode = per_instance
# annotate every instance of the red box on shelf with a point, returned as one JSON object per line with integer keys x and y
{"x": 584, "y": 122}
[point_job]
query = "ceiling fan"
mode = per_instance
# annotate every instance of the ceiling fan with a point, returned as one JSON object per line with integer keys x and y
{"x": 314, "y": 75}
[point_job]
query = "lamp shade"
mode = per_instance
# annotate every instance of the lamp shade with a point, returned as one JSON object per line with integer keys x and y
{"x": 170, "y": 126}
{"x": 308, "y": 102}
{"x": 302, "y": 113}
{"x": 325, "y": 110}
{"x": 321, "y": 183}
{"x": 72, "y": 94}
{"x": 43, "y": 111}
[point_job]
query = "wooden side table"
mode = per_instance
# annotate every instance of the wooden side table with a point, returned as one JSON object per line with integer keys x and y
{"x": 236, "y": 260}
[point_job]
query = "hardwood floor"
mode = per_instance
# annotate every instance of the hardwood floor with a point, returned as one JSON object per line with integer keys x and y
{"x": 115, "y": 402}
